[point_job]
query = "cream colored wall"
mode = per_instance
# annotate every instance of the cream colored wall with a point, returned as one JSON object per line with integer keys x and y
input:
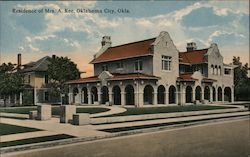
{"x": 169, "y": 49}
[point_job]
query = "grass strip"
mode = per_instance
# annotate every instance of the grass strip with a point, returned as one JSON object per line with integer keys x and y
{"x": 167, "y": 109}
{"x": 20, "y": 118}
{"x": 123, "y": 129}
{"x": 35, "y": 140}
{"x": 55, "y": 110}
{"x": 7, "y": 129}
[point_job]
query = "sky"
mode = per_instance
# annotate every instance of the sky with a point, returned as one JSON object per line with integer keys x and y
{"x": 78, "y": 35}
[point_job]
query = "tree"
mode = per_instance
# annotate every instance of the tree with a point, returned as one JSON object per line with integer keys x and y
{"x": 11, "y": 81}
{"x": 241, "y": 80}
{"x": 61, "y": 70}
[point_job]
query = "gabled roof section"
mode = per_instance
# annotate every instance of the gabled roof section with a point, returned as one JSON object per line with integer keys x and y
{"x": 193, "y": 57}
{"x": 130, "y": 50}
{"x": 40, "y": 65}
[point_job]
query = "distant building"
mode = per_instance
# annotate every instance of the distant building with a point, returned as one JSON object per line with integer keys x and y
{"x": 35, "y": 82}
{"x": 153, "y": 71}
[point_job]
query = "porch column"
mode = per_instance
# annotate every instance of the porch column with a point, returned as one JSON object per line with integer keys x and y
{"x": 70, "y": 98}
{"x": 202, "y": 93}
{"x": 79, "y": 96}
{"x": 111, "y": 96}
{"x": 232, "y": 94}
{"x": 21, "y": 98}
{"x": 182, "y": 95}
{"x": 166, "y": 98}
{"x": 223, "y": 95}
{"x": 193, "y": 94}
{"x": 99, "y": 95}
{"x": 211, "y": 94}
{"x": 155, "y": 98}
{"x": 123, "y": 98}
{"x": 216, "y": 95}
{"x": 177, "y": 96}
{"x": 89, "y": 97}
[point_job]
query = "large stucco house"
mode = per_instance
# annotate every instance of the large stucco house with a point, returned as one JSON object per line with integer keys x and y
{"x": 153, "y": 71}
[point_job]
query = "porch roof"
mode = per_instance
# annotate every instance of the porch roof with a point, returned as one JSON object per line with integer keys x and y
{"x": 114, "y": 77}
{"x": 188, "y": 77}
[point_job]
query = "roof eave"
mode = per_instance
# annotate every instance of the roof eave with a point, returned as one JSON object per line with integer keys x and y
{"x": 94, "y": 62}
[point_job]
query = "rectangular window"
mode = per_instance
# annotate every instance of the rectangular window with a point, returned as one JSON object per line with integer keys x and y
{"x": 46, "y": 96}
{"x": 104, "y": 67}
{"x": 138, "y": 65}
{"x": 227, "y": 71}
{"x": 119, "y": 65}
{"x": 46, "y": 79}
{"x": 166, "y": 63}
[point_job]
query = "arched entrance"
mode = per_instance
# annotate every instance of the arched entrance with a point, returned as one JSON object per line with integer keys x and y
{"x": 94, "y": 96}
{"x": 148, "y": 95}
{"x": 161, "y": 95}
{"x": 227, "y": 94}
{"x": 189, "y": 94}
{"x": 198, "y": 93}
{"x": 214, "y": 94}
{"x": 172, "y": 95}
{"x": 117, "y": 95}
{"x": 84, "y": 95}
{"x": 75, "y": 95}
{"x": 207, "y": 93}
{"x": 130, "y": 96}
{"x": 219, "y": 94}
{"x": 105, "y": 94}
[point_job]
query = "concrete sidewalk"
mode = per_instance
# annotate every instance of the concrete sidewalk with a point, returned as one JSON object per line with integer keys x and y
{"x": 54, "y": 125}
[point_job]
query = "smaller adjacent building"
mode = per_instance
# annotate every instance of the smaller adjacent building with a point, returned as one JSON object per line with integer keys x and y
{"x": 35, "y": 82}
{"x": 153, "y": 71}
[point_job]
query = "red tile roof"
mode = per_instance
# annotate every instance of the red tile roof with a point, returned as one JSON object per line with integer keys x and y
{"x": 135, "y": 49}
{"x": 193, "y": 57}
{"x": 208, "y": 80}
{"x": 115, "y": 77}
{"x": 186, "y": 77}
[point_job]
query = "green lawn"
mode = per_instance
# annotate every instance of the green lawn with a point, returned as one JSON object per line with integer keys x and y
{"x": 35, "y": 140}
{"x": 130, "y": 128}
{"x": 7, "y": 129}
{"x": 55, "y": 110}
{"x": 168, "y": 109}
{"x": 20, "y": 110}
{"x": 21, "y": 118}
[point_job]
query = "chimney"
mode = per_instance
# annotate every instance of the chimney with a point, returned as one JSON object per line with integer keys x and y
{"x": 191, "y": 46}
{"x": 19, "y": 59}
{"x": 106, "y": 41}
{"x": 53, "y": 56}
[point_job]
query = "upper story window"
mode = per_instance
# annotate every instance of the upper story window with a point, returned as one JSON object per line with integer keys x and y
{"x": 212, "y": 69}
{"x": 138, "y": 65}
{"x": 216, "y": 70}
{"x": 26, "y": 79}
{"x": 105, "y": 67}
{"x": 119, "y": 65}
{"x": 219, "y": 70}
{"x": 227, "y": 71}
{"x": 166, "y": 63}
{"x": 46, "y": 79}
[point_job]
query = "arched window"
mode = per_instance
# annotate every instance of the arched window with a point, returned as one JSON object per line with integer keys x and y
{"x": 212, "y": 69}
{"x": 216, "y": 70}
{"x": 219, "y": 71}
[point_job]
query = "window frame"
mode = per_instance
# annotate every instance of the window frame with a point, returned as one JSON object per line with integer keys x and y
{"x": 137, "y": 66}
{"x": 168, "y": 60}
